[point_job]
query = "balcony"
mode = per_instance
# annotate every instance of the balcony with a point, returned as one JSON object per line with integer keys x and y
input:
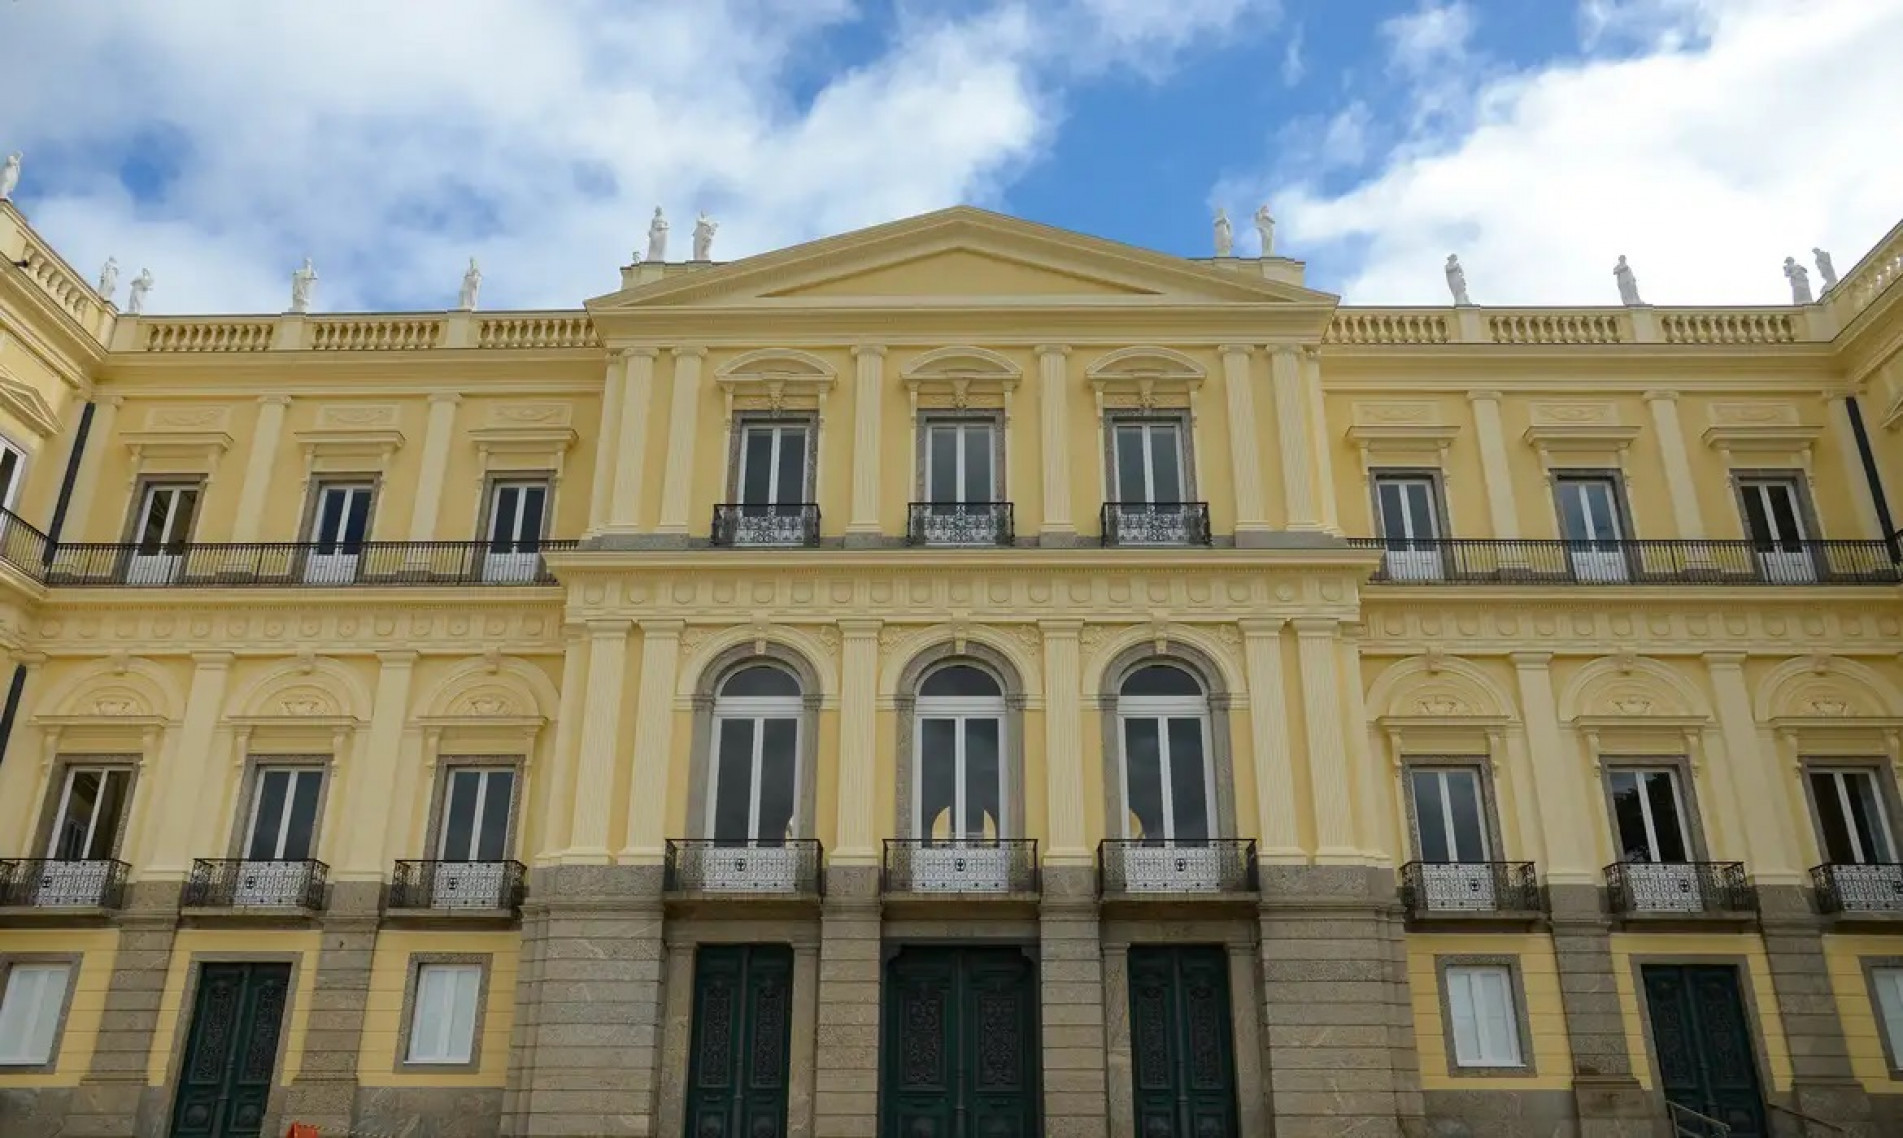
{"x": 47, "y": 883}
{"x": 997, "y": 867}
{"x": 1697, "y": 889}
{"x": 960, "y": 523}
{"x": 478, "y": 887}
{"x": 1155, "y": 523}
{"x": 276, "y": 886}
{"x": 1476, "y": 561}
{"x": 298, "y": 564}
{"x": 779, "y": 524}
{"x": 788, "y": 868}
{"x": 1470, "y": 890}
{"x": 1859, "y": 890}
{"x": 1171, "y": 869}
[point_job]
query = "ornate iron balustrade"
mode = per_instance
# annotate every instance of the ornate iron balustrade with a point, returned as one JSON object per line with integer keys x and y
{"x": 1679, "y": 887}
{"x": 482, "y": 886}
{"x": 301, "y": 563}
{"x": 235, "y": 883}
{"x": 1470, "y": 887}
{"x": 1155, "y": 523}
{"x": 705, "y": 866}
{"x": 1485, "y": 561}
{"x": 778, "y": 524}
{"x": 961, "y": 523}
{"x": 1844, "y": 888}
{"x": 22, "y": 545}
{"x": 50, "y": 883}
{"x": 1144, "y": 866}
{"x": 995, "y": 865}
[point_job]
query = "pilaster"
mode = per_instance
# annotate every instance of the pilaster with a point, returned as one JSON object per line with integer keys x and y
{"x": 1238, "y": 384}
{"x": 653, "y": 741}
{"x": 683, "y": 423}
{"x": 613, "y": 395}
{"x": 1494, "y": 469}
{"x": 107, "y": 1102}
{"x": 1679, "y": 484}
{"x": 867, "y": 469}
{"x": 189, "y": 772}
{"x": 846, "y": 1055}
{"x": 1072, "y": 1003}
{"x": 1294, "y": 437}
{"x": 1763, "y": 789}
{"x": 1324, "y": 439}
{"x": 372, "y": 802}
{"x": 1053, "y": 412}
{"x": 1328, "y": 775}
{"x": 257, "y": 467}
{"x": 562, "y": 758}
{"x": 1570, "y": 850}
{"x": 1063, "y": 743}
{"x": 429, "y": 480}
{"x": 858, "y": 743}
{"x": 628, "y": 443}
{"x": 1269, "y": 731}
{"x": 1606, "y": 1096}
{"x": 600, "y": 741}
{"x": 324, "y": 1093}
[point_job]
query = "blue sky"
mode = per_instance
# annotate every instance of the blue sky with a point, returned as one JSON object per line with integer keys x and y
{"x": 218, "y": 142}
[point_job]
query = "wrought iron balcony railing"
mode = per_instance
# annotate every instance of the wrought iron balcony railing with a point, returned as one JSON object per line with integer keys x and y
{"x": 1155, "y": 523}
{"x": 23, "y": 546}
{"x": 301, "y": 563}
{"x": 1144, "y": 866}
{"x": 482, "y": 886}
{"x": 1477, "y": 561}
{"x": 1469, "y": 887}
{"x": 790, "y": 867}
{"x": 49, "y": 883}
{"x": 1682, "y": 887}
{"x": 961, "y": 523}
{"x": 997, "y": 865}
{"x": 779, "y": 524}
{"x": 1846, "y": 888}
{"x": 234, "y": 883}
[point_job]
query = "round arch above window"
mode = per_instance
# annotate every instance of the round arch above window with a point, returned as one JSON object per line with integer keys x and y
{"x": 1162, "y": 679}
{"x": 759, "y": 681}
{"x": 960, "y": 681}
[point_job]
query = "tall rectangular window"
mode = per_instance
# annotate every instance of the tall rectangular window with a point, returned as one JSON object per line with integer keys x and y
{"x": 87, "y": 818}
{"x": 443, "y": 1016}
{"x": 165, "y": 518}
{"x": 1449, "y": 815}
{"x": 516, "y": 511}
{"x": 1592, "y": 522}
{"x": 1649, "y": 816}
{"x": 30, "y": 1011}
{"x": 284, "y": 814}
{"x": 1149, "y": 462}
{"x": 1851, "y": 815}
{"x": 475, "y": 823}
{"x": 773, "y": 459}
{"x": 1774, "y": 523}
{"x": 1485, "y": 1025}
{"x": 12, "y": 467}
{"x": 1410, "y": 525}
{"x": 960, "y": 462}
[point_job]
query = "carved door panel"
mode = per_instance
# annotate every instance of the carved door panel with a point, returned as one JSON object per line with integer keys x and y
{"x": 961, "y": 1053}
{"x": 1182, "y": 1051}
{"x": 743, "y": 1031}
{"x": 231, "y": 1054}
{"x": 1702, "y": 1039}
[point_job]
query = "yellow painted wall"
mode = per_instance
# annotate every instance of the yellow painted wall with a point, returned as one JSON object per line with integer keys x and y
{"x": 383, "y": 1029}
{"x": 97, "y": 949}
{"x": 1693, "y": 948}
{"x": 234, "y": 944}
{"x": 1546, "y": 1019}
{"x": 1845, "y": 957}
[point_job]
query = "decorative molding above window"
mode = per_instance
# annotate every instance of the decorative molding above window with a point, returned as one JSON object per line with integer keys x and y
{"x": 775, "y": 380}
{"x": 1587, "y": 433}
{"x": 174, "y": 452}
{"x": 1764, "y": 432}
{"x": 1412, "y": 444}
{"x": 348, "y": 449}
{"x": 27, "y": 405}
{"x": 956, "y": 376}
{"x": 1145, "y": 379}
{"x": 523, "y": 447}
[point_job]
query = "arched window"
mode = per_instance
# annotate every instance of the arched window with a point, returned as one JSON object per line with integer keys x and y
{"x": 1168, "y": 784}
{"x": 753, "y": 794}
{"x": 958, "y": 794}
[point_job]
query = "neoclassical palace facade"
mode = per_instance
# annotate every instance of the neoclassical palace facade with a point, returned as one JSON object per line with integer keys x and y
{"x": 954, "y": 679}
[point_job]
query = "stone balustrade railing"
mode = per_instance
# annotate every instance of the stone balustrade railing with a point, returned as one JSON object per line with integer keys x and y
{"x": 1732, "y": 326}
{"x": 375, "y": 334}
{"x": 536, "y": 330}
{"x": 1879, "y": 270}
{"x": 207, "y": 336}
{"x": 1396, "y": 326}
{"x": 1557, "y": 327}
{"x": 356, "y": 332}
{"x": 59, "y": 281}
{"x": 1564, "y": 327}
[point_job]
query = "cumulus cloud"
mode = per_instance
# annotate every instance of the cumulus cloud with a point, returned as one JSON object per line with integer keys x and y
{"x": 1705, "y": 139}
{"x": 219, "y": 142}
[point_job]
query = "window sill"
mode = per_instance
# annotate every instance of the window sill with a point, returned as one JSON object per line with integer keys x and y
{"x": 424, "y": 918}
{"x": 41, "y": 916}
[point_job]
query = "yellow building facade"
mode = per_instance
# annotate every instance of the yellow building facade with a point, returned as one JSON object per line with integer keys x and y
{"x": 955, "y": 678}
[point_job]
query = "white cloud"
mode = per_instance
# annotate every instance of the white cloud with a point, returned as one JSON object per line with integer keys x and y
{"x": 1735, "y": 133}
{"x": 1432, "y": 35}
{"x": 391, "y": 141}
{"x": 1294, "y": 67}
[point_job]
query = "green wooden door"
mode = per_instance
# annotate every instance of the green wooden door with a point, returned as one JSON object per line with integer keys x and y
{"x": 1182, "y": 1052}
{"x": 961, "y": 1054}
{"x": 232, "y": 1051}
{"x": 1702, "y": 1039}
{"x": 743, "y": 1030}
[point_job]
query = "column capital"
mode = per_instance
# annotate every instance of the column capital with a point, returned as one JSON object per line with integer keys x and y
{"x": 1069, "y": 629}
{"x": 1312, "y": 627}
{"x": 214, "y": 659}
{"x": 275, "y": 399}
{"x": 642, "y": 352}
{"x": 1043, "y": 350}
{"x": 1660, "y": 395}
{"x": 688, "y": 353}
{"x": 1262, "y": 626}
{"x": 602, "y": 627}
{"x": 670, "y": 628}
{"x": 1723, "y": 659}
{"x": 1236, "y": 349}
{"x": 399, "y": 657}
{"x": 860, "y": 628}
{"x": 1483, "y": 397}
{"x": 450, "y": 397}
{"x": 875, "y": 351}
{"x": 1531, "y": 661}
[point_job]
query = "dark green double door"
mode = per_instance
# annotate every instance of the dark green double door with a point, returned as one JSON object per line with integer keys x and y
{"x": 961, "y": 1048}
{"x": 231, "y": 1053}
{"x": 1181, "y": 1046}
{"x": 742, "y": 1034}
{"x": 1701, "y": 1035}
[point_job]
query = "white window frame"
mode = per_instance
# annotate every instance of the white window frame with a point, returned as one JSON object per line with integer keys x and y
{"x": 1840, "y": 777}
{"x": 447, "y": 1037}
{"x": 1441, "y": 775}
{"x": 960, "y": 710}
{"x": 775, "y": 492}
{"x": 517, "y": 539}
{"x": 150, "y": 494}
{"x": 1886, "y": 989}
{"x": 1149, "y": 427}
{"x": 963, "y": 429}
{"x": 297, "y": 773}
{"x": 29, "y": 1033}
{"x": 756, "y": 709}
{"x": 1483, "y": 1037}
{"x": 10, "y": 493}
{"x": 1651, "y": 823}
{"x": 1161, "y": 709}
{"x": 485, "y": 791}
{"x": 92, "y": 823}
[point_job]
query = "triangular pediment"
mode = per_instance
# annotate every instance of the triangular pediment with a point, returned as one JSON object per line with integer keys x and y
{"x": 962, "y": 257}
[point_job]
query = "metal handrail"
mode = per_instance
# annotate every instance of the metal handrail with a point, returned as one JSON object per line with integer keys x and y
{"x": 304, "y": 564}
{"x": 1154, "y": 523}
{"x": 965, "y": 865}
{"x": 1470, "y": 887}
{"x": 769, "y": 524}
{"x": 1810, "y": 1123}
{"x": 256, "y": 883}
{"x": 438, "y": 885}
{"x": 1669, "y": 561}
{"x": 960, "y": 523}
{"x": 789, "y": 866}
{"x": 1688, "y": 1123}
{"x": 1679, "y": 887}
{"x": 1176, "y": 866}
{"x": 1864, "y": 887}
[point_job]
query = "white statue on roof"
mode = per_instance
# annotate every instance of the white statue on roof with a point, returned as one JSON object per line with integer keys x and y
{"x": 1628, "y": 283}
{"x": 141, "y": 284}
{"x": 1457, "y": 282}
{"x": 302, "y": 282}
{"x": 472, "y": 283}
{"x": 704, "y": 230}
{"x": 109, "y": 278}
{"x": 1799, "y": 276}
{"x": 1225, "y": 235}
{"x": 9, "y": 176}
{"x": 657, "y": 237}
{"x": 1265, "y": 229}
{"x": 1826, "y": 270}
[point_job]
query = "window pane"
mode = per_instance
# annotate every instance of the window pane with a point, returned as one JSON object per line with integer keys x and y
{"x": 756, "y": 483}
{"x": 9, "y": 474}
{"x": 1757, "y": 523}
{"x": 792, "y": 483}
{"x": 443, "y": 1027}
{"x": 1839, "y": 849}
{"x": 978, "y": 480}
{"x": 760, "y": 680}
{"x": 300, "y": 838}
{"x": 1429, "y": 818}
{"x": 184, "y": 505}
{"x": 1629, "y": 817}
{"x": 158, "y": 511}
{"x": 778, "y": 758}
{"x": 29, "y": 1011}
{"x": 1161, "y": 679}
{"x": 534, "y": 502}
{"x": 357, "y": 519}
{"x": 502, "y": 517}
{"x": 1889, "y": 985}
{"x": 1189, "y": 779}
{"x": 1387, "y": 493}
{"x": 1867, "y": 811}
{"x": 1486, "y": 1029}
{"x": 1784, "y": 514}
{"x": 982, "y": 818}
{"x": 733, "y": 781}
{"x": 1572, "y": 513}
{"x": 459, "y": 821}
{"x": 1666, "y": 824}
{"x": 960, "y": 680}
{"x": 114, "y": 786}
{"x": 273, "y": 787}
{"x": 1166, "y": 456}
{"x": 1144, "y": 771}
{"x": 938, "y": 777}
{"x": 1418, "y": 495}
{"x": 1463, "y": 794}
{"x": 492, "y": 838}
{"x": 941, "y": 477}
{"x": 72, "y": 830}
{"x": 330, "y": 513}
{"x": 1462, "y": 1009}
{"x": 1131, "y": 486}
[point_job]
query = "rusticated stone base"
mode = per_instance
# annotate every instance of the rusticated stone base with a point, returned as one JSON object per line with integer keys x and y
{"x": 1071, "y": 990}
{"x": 1616, "y": 1108}
{"x": 429, "y": 1112}
{"x": 1886, "y": 1116}
{"x": 846, "y": 1053}
{"x": 1501, "y": 1114}
{"x": 34, "y": 1112}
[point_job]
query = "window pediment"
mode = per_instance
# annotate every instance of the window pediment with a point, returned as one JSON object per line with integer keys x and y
{"x": 775, "y": 379}
{"x": 952, "y": 376}
{"x": 1767, "y": 432}
{"x": 1144, "y": 378}
{"x": 175, "y": 452}
{"x": 27, "y": 405}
